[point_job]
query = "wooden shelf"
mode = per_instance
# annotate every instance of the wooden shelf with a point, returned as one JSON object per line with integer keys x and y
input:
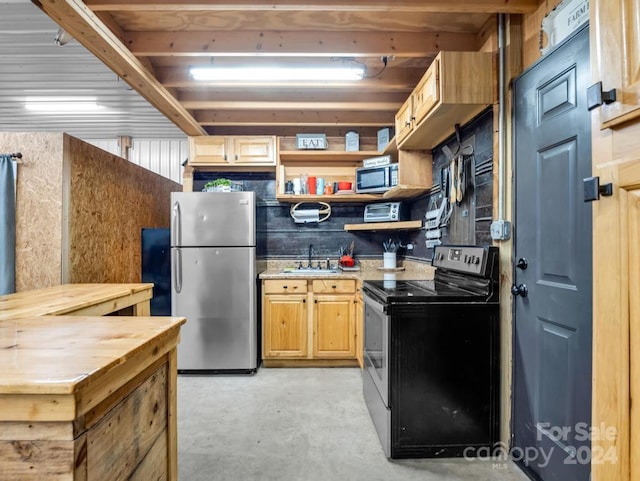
{"x": 391, "y": 148}
{"x": 400, "y": 192}
{"x": 294, "y": 199}
{"x": 326, "y": 155}
{"x": 404, "y": 191}
{"x": 406, "y": 225}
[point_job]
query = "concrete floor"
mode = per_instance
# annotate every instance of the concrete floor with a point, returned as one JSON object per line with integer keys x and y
{"x": 297, "y": 425}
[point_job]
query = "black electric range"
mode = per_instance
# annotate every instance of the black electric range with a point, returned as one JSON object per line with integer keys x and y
{"x": 431, "y": 378}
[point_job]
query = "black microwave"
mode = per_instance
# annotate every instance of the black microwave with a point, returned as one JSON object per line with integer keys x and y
{"x": 376, "y": 179}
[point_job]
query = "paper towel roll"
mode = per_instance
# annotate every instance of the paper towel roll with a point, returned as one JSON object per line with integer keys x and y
{"x": 306, "y": 216}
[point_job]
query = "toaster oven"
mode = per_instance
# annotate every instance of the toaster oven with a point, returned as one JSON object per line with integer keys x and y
{"x": 384, "y": 212}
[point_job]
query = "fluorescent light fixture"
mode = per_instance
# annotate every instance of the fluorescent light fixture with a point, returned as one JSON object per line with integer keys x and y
{"x": 277, "y": 74}
{"x": 62, "y": 104}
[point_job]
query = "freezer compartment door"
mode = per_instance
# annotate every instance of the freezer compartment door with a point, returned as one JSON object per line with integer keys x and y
{"x": 204, "y": 219}
{"x": 215, "y": 289}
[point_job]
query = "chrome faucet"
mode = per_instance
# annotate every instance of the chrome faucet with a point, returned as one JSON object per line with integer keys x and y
{"x": 310, "y": 254}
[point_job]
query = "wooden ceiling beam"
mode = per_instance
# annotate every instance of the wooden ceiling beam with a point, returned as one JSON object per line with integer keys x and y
{"x": 272, "y": 106}
{"x": 307, "y": 44}
{"x": 76, "y": 18}
{"x": 403, "y": 79}
{"x": 459, "y": 6}
{"x": 293, "y": 118}
{"x": 191, "y": 98}
{"x": 111, "y": 24}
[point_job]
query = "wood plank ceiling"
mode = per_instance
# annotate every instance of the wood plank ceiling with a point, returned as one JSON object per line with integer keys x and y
{"x": 151, "y": 43}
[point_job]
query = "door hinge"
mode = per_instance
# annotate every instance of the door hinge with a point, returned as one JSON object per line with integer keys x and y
{"x": 593, "y": 190}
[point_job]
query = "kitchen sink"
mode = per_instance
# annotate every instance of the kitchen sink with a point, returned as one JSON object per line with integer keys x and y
{"x": 307, "y": 271}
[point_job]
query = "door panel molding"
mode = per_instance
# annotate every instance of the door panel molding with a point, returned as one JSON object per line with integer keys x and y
{"x": 557, "y": 95}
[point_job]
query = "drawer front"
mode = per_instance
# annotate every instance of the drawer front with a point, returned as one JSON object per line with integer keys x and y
{"x": 284, "y": 286}
{"x": 334, "y": 286}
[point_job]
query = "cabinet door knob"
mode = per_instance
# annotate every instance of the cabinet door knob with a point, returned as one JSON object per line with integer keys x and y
{"x": 284, "y": 287}
{"x": 334, "y": 287}
{"x": 236, "y": 156}
{"x": 304, "y": 301}
{"x": 315, "y": 301}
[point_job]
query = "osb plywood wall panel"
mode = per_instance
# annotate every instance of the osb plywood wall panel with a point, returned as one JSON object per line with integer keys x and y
{"x": 111, "y": 200}
{"x": 531, "y": 31}
{"x": 38, "y": 207}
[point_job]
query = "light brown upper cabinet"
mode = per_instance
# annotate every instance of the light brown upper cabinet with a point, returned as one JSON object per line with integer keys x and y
{"x": 404, "y": 120}
{"x": 456, "y": 87}
{"x": 232, "y": 151}
{"x": 619, "y": 62}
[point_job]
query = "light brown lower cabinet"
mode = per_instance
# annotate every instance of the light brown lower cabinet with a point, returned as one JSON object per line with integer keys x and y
{"x": 309, "y": 322}
{"x": 285, "y": 326}
{"x": 334, "y": 326}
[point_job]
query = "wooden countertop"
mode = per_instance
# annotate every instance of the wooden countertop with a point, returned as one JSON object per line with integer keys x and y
{"x": 79, "y": 299}
{"x": 62, "y": 354}
{"x": 369, "y": 272}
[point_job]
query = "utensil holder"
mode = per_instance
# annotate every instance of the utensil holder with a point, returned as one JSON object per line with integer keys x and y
{"x": 389, "y": 260}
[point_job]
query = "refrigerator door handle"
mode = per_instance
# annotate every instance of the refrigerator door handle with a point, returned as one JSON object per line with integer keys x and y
{"x": 177, "y": 269}
{"x": 177, "y": 225}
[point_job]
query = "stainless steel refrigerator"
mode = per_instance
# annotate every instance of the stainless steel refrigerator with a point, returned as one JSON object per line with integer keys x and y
{"x": 213, "y": 280}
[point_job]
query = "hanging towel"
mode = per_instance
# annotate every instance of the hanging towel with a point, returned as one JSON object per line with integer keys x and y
{"x": 7, "y": 226}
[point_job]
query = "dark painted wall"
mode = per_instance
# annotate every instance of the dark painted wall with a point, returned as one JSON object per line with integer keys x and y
{"x": 279, "y": 236}
{"x": 470, "y": 221}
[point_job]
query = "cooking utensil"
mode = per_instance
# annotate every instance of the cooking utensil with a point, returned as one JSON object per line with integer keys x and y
{"x": 460, "y": 179}
{"x": 390, "y": 246}
{"x": 453, "y": 170}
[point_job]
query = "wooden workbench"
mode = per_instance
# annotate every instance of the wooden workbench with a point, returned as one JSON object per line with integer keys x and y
{"x": 77, "y": 300}
{"x": 88, "y": 398}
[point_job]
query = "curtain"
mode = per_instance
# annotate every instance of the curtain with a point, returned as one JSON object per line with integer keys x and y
{"x": 7, "y": 226}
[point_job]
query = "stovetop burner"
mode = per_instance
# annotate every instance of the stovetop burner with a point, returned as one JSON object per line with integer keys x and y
{"x": 416, "y": 290}
{"x": 463, "y": 274}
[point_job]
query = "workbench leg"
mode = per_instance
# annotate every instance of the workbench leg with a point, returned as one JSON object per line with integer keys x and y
{"x": 172, "y": 429}
{"x": 142, "y": 308}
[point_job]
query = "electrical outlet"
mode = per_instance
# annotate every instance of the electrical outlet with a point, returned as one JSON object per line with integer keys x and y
{"x": 500, "y": 229}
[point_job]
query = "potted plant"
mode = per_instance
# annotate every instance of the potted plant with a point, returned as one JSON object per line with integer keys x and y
{"x": 218, "y": 185}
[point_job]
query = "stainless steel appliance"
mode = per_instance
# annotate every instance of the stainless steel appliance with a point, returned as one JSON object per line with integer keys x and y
{"x": 431, "y": 354}
{"x": 213, "y": 280}
{"x": 384, "y": 212}
{"x": 376, "y": 179}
